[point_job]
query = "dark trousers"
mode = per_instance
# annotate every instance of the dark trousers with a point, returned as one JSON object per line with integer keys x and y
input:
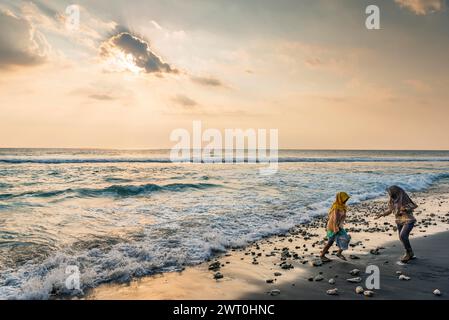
{"x": 404, "y": 233}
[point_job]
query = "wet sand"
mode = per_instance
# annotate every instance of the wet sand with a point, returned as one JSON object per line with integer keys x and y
{"x": 287, "y": 266}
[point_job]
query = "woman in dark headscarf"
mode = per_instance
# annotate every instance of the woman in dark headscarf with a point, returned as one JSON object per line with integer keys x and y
{"x": 402, "y": 206}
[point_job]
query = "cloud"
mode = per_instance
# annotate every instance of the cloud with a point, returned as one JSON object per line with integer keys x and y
{"x": 20, "y": 43}
{"x": 422, "y": 7}
{"x": 207, "y": 81}
{"x": 106, "y": 92}
{"x": 184, "y": 101}
{"x": 133, "y": 53}
{"x": 40, "y": 20}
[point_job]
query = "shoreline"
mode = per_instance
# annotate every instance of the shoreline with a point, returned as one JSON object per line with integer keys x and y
{"x": 282, "y": 266}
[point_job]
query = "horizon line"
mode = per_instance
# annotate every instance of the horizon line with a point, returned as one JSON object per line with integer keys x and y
{"x": 155, "y": 149}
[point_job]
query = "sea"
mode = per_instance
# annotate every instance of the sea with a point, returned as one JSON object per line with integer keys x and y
{"x": 117, "y": 215}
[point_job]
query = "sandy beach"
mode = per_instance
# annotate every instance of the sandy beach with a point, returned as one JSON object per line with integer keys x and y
{"x": 286, "y": 266}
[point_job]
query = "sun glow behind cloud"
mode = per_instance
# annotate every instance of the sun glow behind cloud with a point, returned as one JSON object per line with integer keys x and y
{"x": 130, "y": 52}
{"x": 119, "y": 61}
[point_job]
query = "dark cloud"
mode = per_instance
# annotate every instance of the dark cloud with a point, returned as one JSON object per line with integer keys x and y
{"x": 20, "y": 44}
{"x": 207, "y": 81}
{"x": 185, "y": 101}
{"x": 103, "y": 93}
{"x": 140, "y": 51}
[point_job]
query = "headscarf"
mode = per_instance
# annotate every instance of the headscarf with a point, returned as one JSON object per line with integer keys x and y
{"x": 339, "y": 204}
{"x": 399, "y": 199}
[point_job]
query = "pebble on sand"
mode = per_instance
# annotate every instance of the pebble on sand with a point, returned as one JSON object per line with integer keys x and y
{"x": 332, "y": 292}
{"x": 354, "y": 280}
{"x": 275, "y": 292}
{"x": 354, "y": 272}
{"x": 359, "y": 290}
{"x": 331, "y": 281}
{"x": 318, "y": 278}
{"x": 287, "y": 266}
{"x": 317, "y": 263}
{"x": 404, "y": 277}
{"x": 437, "y": 292}
{"x": 215, "y": 266}
{"x": 218, "y": 275}
{"x": 368, "y": 293}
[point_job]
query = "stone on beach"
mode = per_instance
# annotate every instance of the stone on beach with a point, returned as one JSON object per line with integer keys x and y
{"x": 354, "y": 272}
{"x": 287, "y": 266}
{"x": 359, "y": 290}
{"x": 404, "y": 277}
{"x": 317, "y": 262}
{"x": 318, "y": 278}
{"x": 277, "y": 274}
{"x": 275, "y": 292}
{"x": 331, "y": 281}
{"x": 332, "y": 292}
{"x": 437, "y": 292}
{"x": 368, "y": 293}
{"x": 354, "y": 280}
{"x": 218, "y": 275}
{"x": 215, "y": 266}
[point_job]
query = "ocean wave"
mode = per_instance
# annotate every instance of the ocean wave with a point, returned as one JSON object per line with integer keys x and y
{"x": 114, "y": 190}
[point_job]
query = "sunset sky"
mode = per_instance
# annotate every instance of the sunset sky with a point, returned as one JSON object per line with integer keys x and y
{"x": 136, "y": 70}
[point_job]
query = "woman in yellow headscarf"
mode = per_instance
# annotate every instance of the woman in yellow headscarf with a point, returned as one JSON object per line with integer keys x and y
{"x": 334, "y": 227}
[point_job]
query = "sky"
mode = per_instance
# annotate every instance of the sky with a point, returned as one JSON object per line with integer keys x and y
{"x": 134, "y": 71}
